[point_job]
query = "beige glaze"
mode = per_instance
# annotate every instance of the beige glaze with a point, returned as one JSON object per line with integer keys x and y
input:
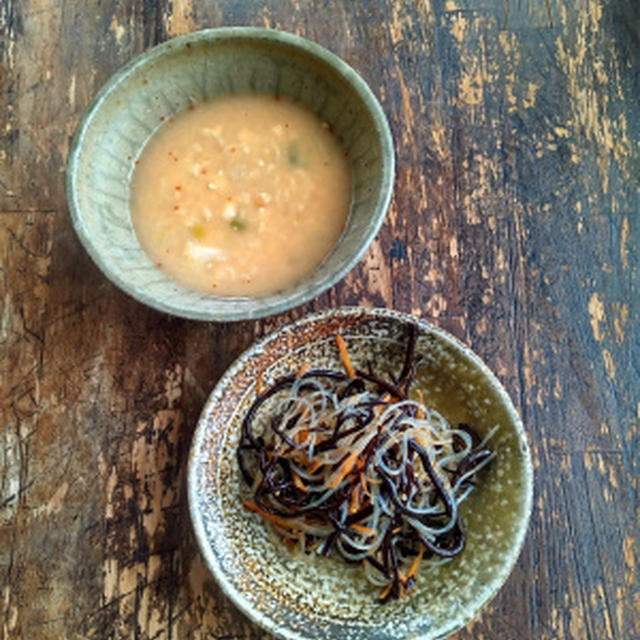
{"x": 243, "y": 195}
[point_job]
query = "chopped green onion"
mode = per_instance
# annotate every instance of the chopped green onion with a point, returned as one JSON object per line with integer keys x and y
{"x": 293, "y": 153}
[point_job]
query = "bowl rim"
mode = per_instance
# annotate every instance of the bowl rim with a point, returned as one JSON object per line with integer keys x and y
{"x": 235, "y": 595}
{"x": 273, "y": 303}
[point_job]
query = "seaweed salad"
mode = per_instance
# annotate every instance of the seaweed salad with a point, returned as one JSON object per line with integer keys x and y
{"x": 345, "y": 462}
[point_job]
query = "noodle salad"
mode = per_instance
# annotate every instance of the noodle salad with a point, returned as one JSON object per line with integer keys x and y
{"x": 345, "y": 462}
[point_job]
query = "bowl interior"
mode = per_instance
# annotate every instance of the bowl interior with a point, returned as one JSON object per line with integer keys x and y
{"x": 295, "y": 597}
{"x": 191, "y": 69}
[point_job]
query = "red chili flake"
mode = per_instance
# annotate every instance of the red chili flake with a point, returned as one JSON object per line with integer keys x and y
{"x": 161, "y": 118}
{"x": 233, "y": 149}
{"x": 178, "y": 187}
{"x": 346, "y": 154}
{"x": 276, "y": 98}
{"x": 137, "y": 162}
{"x": 175, "y": 159}
{"x": 286, "y": 125}
{"x": 175, "y": 207}
{"x": 158, "y": 264}
{"x": 214, "y": 285}
{"x": 229, "y": 199}
{"x": 204, "y": 172}
{"x": 191, "y": 107}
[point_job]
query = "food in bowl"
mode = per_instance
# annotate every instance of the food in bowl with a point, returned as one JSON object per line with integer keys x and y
{"x": 241, "y": 195}
{"x": 301, "y": 596}
{"x": 346, "y": 462}
{"x": 193, "y": 69}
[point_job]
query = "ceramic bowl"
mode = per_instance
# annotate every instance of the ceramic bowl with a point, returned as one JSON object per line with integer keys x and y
{"x": 326, "y": 599}
{"x": 166, "y": 80}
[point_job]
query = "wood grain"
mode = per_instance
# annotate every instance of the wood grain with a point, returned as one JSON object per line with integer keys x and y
{"x": 515, "y": 224}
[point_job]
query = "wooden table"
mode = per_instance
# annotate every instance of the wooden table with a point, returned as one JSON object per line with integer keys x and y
{"x": 515, "y": 224}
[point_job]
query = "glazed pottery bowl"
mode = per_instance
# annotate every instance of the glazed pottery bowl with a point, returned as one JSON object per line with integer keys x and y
{"x": 169, "y": 78}
{"x": 298, "y": 598}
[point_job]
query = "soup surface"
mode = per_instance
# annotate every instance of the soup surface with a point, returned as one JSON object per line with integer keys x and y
{"x": 243, "y": 195}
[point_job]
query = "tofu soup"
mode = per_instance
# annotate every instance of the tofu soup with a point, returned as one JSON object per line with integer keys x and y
{"x": 243, "y": 195}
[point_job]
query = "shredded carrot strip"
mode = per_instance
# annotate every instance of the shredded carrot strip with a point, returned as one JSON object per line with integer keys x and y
{"x": 415, "y": 565}
{"x": 420, "y": 414}
{"x": 344, "y": 356}
{"x": 354, "y": 501}
{"x": 363, "y": 482}
{"x": 315, "y": 466}
{"x": 280, "y": 522}
{"x": 298, "y": 482}
{"x": 380, "y": 408}
{"x": 259, "y": 384}
{"x": 362, "y": 529}
{"x": 344, "y": 469}
{"x": 385, "y": 592}
{"x": 303, "y": 369}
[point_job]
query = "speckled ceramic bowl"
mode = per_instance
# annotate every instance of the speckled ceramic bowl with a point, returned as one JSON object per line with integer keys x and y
{"x": 166, "y": 80}
{"x": 295, "y": 598}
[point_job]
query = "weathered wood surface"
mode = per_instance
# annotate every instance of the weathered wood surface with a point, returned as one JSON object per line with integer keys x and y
{"x": 515, "y": 224}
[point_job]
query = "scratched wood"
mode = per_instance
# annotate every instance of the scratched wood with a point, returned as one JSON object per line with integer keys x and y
{"x": 515, "y": 224}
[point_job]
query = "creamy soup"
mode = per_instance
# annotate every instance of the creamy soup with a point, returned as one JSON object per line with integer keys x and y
{"x": 242, "y": 195}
